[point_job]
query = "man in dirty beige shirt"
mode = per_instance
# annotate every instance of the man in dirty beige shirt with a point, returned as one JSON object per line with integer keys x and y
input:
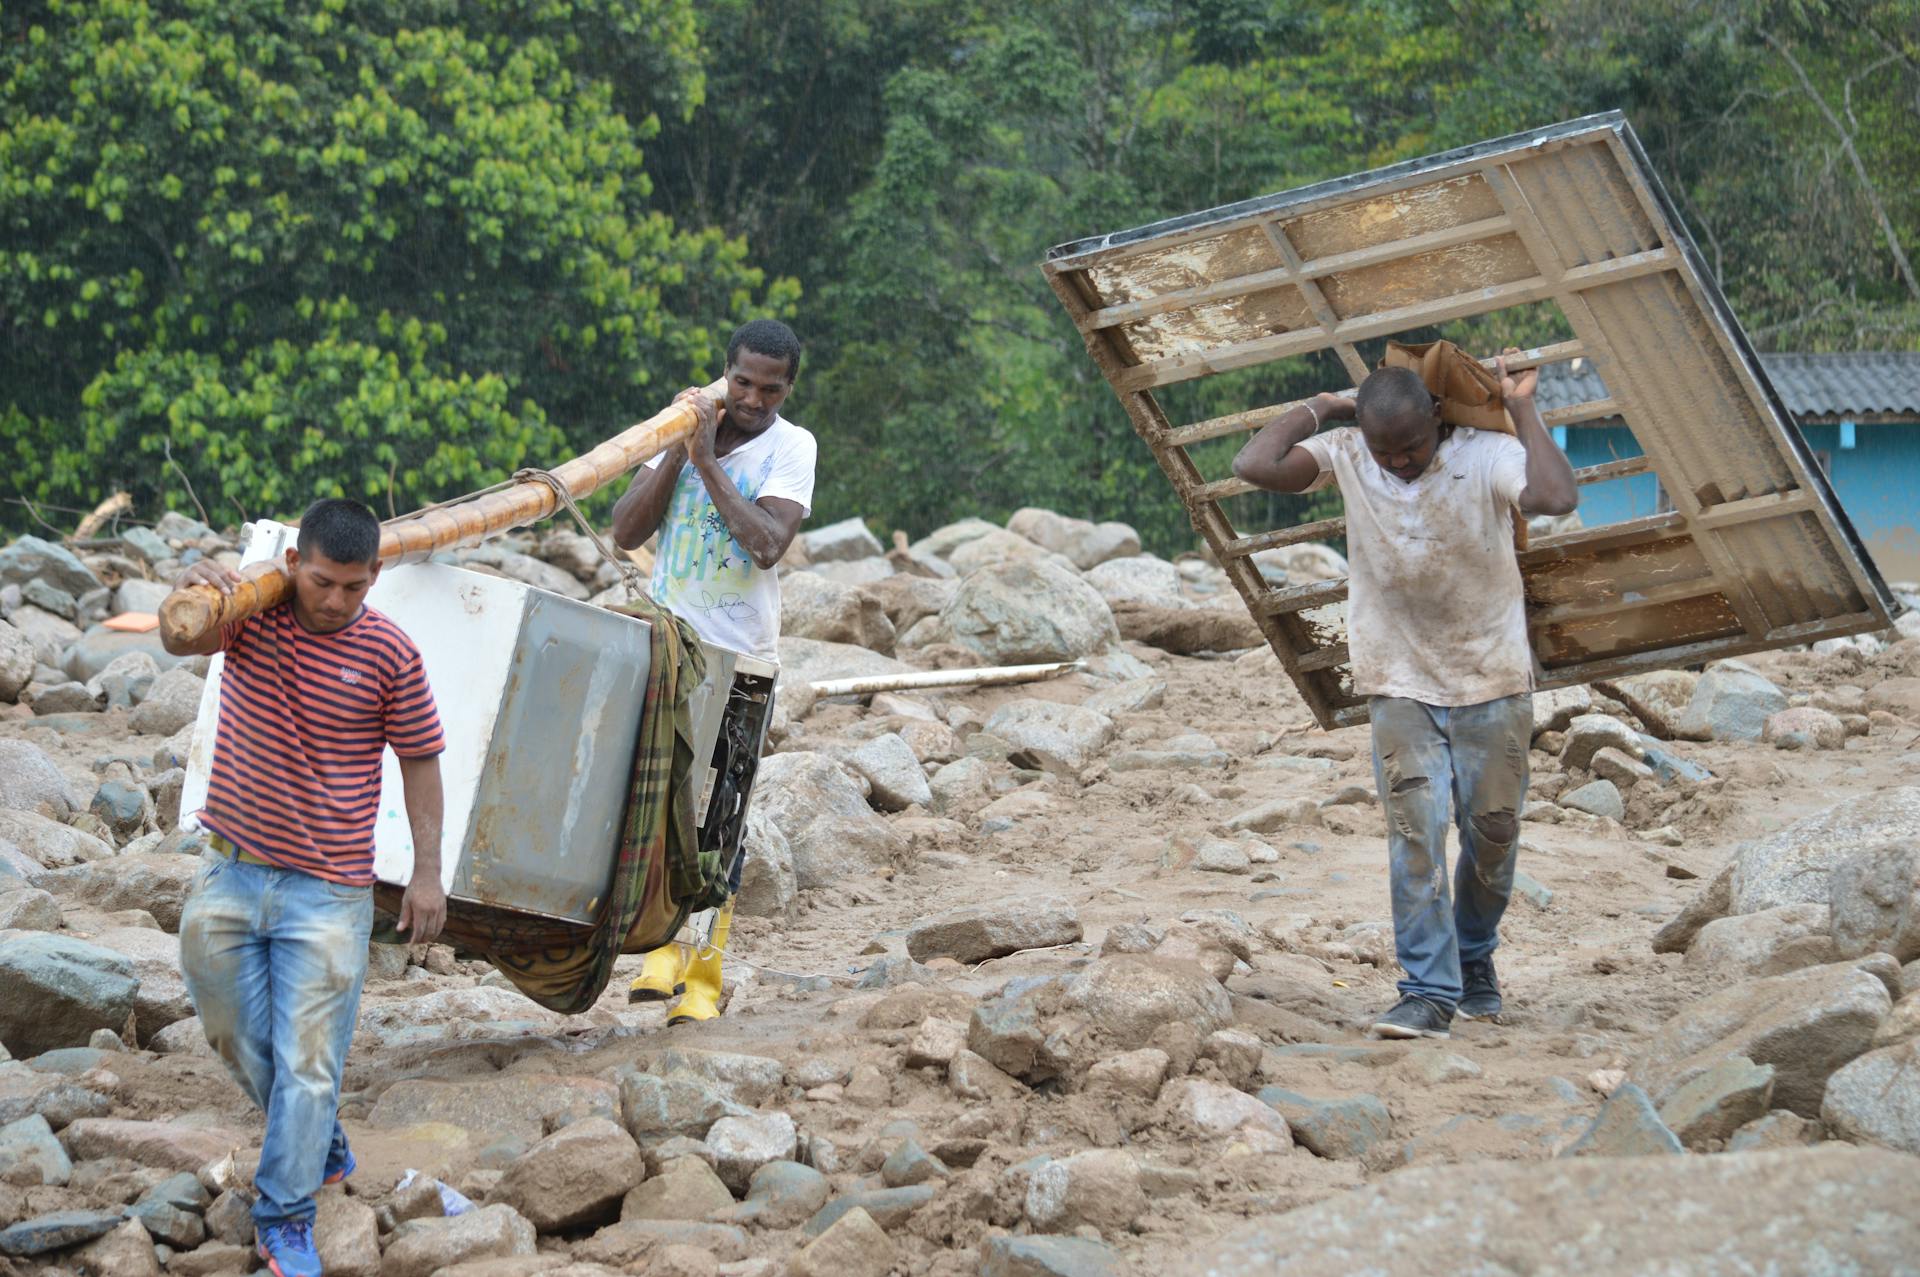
{"x": 1437, "y": 636}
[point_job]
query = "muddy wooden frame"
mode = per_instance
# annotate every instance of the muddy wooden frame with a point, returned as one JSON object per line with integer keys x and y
{"x": 1756, "y": 552}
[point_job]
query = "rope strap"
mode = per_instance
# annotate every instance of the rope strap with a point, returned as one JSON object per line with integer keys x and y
{"x": 629, "y": 574}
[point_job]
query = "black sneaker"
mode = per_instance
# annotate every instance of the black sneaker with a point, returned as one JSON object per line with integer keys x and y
{"x": 1414, "y": 1017}
{"x": 1480, "y": 996}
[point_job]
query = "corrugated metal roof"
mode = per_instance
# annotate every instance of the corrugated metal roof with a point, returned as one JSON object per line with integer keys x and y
{"x": 1839, "y": 385}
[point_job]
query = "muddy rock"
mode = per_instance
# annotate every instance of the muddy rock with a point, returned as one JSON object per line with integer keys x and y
{"x": 127, "y": 678}
{"x": 782, "y": 1195}
{"x": 1807, "y": 1024}
{"x": 524, "y": 1106}
{"x": 1044, "y": 1256}
{"x": 1874, "y": 894}
{"x": 161, "y": 999}
{"x": 1588, "y": 734}
{"x": 742, "y": 1144}
{"x": 1348, "y": 1128}
{"x": 832, "y": 831}
{"x": 1223, "y": 1116}
{"x": 973, "y": 933}
{"x": 1100, "y": 1187}
{"x": 1792, "y": 865}
{"x": 575, "y": 1176}
{"x": 1596, "y": 798}
{"x": 1731, "y": 701}
{"x": 30, "y": 782}
{"x": 1770, "y": 942}
{"x": 656, "y": 1108}
{"x": 767, "y": 880}
{"x": 686, "y": 1188}
{"x": 421, "y": 1247}
{"x": 1804, "y": 728}
{"x": 1049, "y": 735}
{"x": 895, "y": 779}
{"x": 855, "y": 1246}
{"x": 1876, "y": 1098}
{"x": 1720, "y": 1217}
{"x": 27, "y": 909}
{"x": 1137, "y": 1073}
{"x": 155, "y": 881}
{"x": 171, "y": 1146}
{"x": 347, "y": 1236}
{"x": 1020, "y": 612}
{"x": 813, "y": 607}
{"x": 59, "y": 990}
{"x": 1626, "y": 1126}
{"x": 30, "y": 1156}
{"x": 1711, "y": 901}
{"x": 961, "y": 787}
{"x": 1129, "y": 996}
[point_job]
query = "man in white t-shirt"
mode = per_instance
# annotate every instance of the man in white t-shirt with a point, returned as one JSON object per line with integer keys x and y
{"x": 1437, "y": 637}
{"x": 726, "y": 504}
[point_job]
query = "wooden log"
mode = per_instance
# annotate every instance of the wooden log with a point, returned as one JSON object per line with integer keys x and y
{"x": 188, "y": 615}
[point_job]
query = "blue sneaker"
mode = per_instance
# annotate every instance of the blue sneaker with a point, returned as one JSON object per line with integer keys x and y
{"x": 335, "y": 1172}
{"x": 288, "y": 1248}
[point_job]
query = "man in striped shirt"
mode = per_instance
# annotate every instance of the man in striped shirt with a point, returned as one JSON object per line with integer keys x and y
{"x": 273, "y": 939}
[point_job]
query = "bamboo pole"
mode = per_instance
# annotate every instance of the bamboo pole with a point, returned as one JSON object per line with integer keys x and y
{"x": 187, "y": 615}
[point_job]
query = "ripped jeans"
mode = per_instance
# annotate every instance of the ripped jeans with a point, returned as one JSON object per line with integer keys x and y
{"x": 1433, "y": 764}
{"x": 274, "y": 962}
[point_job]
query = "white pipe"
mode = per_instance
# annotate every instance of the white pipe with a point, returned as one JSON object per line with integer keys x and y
{"x": 988, "y": 676}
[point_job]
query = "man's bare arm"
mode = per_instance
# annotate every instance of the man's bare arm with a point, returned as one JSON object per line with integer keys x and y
{"x": 638, "y": 512}
{"x": 423, "y": 909}
{"x": 1272, "y": 459}
{"x": 1550, "y": 487}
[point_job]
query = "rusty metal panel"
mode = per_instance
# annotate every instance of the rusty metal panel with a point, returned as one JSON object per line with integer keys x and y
{"x": 1756, "y": 553}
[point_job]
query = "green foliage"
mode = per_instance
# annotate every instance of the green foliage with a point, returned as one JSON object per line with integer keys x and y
{"x": 387, "y": 250}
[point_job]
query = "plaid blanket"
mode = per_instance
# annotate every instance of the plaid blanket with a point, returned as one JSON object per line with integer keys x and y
{"x": 657, "y": 877}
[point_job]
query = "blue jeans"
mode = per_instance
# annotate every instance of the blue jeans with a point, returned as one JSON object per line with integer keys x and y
{"x": 1434, "y": 764}
{"x": 274, "y": 961}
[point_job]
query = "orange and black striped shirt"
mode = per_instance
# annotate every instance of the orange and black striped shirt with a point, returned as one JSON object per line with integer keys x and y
{"x": 304, "y": 721}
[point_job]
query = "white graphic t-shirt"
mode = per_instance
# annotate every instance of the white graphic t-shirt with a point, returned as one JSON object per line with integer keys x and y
{"x": 702, "y": 573}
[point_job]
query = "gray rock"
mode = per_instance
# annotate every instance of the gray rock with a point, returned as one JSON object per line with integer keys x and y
{"x": 67, "y": 698}
{"x": 30, "y": 1156}
{"x": 1874, "y": 893}
{"x": 126, "y": 808}
{"x": 542, "y": 575}
{"x": 1042, "y": 1256}
{"x": 574, "y": 1177}
{"x": 782, "y": 1195}
{"x": 135, "y": 595}
{"x": 1770, "y": 942}
{"x": 943, "y": 541}
{"x": 1131, "y": 697}
{"x": 767, "y": 881}
{"x": 230, "y": 1217}
{"x": 1804, "y": 727}
{"x": 167, "y": 788}
{"x": 29, "y": 780}
{"x": 1099, "y": 1187}
{"x": 751, "y": 1080}
{"x": 655, "y": 1108}
{"x": 910, "y": 1164}
{"x": 1019, "y": 612}
{"x": 1130, "y": 995}
{"x": 126, "y": 680}
{"x": 1588, "y": 734}
{"x": 17, "y": 660}
{"x": 1711, "y": 901}
{"x": 1876, "y": 1098}
{"x": 183, "y": 1191}
{"x": 1272, "y": 817}
{"x": 184, "y": 1230}
{"x": 59, "y": 990}
{"x": 28, "y": 909}
{"x": 961, "y": 787}
{"x": 1217, "y": 855}
{"x": 1731, "y": 701}
{"x": 49, "y": 635}
{"x": 50, "y": 599}
{"x": 146, "y": 544}
{"x": 30, "y": 558}
{"x": 173, "y": 702}
{"x": 1620, "y": 767}
{"x": 840, "y": 542}
{"x": 156, "y": 881}
{"x": 1727, "y": 1216}
{"x": 56, "y": 1231}
{"x": 99, "y": 647}
{"x": 1596, "y": 798}
{"x": 1792, "y": 865}
{"x": 178, "y": 530}
{"x": 1807, "y": 1024}
{"x": 825, "y": 818}
{"x": 1778, "y": 1129}
{"x": 895, "y": 779}
{"x": 1669, "y": 768}
{"x": 1348, "y": 1128}
{"x": 1087, "y": 544}
{"x": 1719, "y": 1102}
{"x": 1008, "y": 1032}
{"x": 1049, "y": 735}
{"x": 813, "y": 607}
{"x": 685, "y": 1189}
{"x": 1138, "y": 578}
{"x": 889, "y": 1207}
{"x": 973, "y": 933}
{"x": 422, "y": 1247}
{"x": 1222, "y": 1115}
{"x": 743, "y": 1144}
{"x": 1532, "y": 890}
{"x": 161, "y": 999}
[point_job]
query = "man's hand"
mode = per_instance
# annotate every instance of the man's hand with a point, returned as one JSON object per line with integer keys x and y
{"x": 208, "y": 572}
{"x": 1512, "y": 387}
{"x": 700, "y": 445}
{"x": 423, "y": 909}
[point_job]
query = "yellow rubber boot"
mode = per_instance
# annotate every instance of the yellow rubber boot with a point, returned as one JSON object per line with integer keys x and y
{"x": 663, "y": 975}
{"x": 702, "y": 998}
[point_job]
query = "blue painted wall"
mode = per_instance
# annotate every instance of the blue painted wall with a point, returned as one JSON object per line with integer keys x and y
{"x": 1878, "y": 481}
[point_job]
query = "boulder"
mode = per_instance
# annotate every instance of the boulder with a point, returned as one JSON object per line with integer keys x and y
{"x": 24, "y": 908}
{"x": 1770, "y": 942}
{"x": 1222, "y": 1115}
{"x": 173, "y": 702}
{"x": 767, "y": 883}
{"x": 813, "y": 607}
{"x": 1792, "y": 865}
{"x": 29, "y": 558}
{"x": 1719, "y": 1102}
{"x": 686, "y": 1188}
{"x": 519, "y": 1107}
{"x": 1711, "y": 901}
{"x": 49, "y": 635}
{"x": 1056, "y": 737}
{"x": 1807, "y": 1024}
{"x": 1731, "y": 701}
{"x": 1099, "y": 1187}
{"x": 1726, "y": 1216}
{"x": 1588, "y": 734}
{"x": 30, "y": 1157}
{"x": 422, "y": 1247}
{"x": 831, "y": 830}
{"x": 1087, "y": 544}
{"x": 895, "y": 779}
{"x": 29, "y": 781}
{"x": 972, "y": 934}
{"x": 1128, "y": 996}
{"x": 1596, "y": 798}
{"x": 1874, "y": 897}
{"x": 541, "y": 575}
{"x": 943, "y": 541}
{"x": 156, "y": 881}
{"x": 656, "y": 1108}
{"x": 66, "y": 698}
{"x": 804, "y": 661}
{"x": 1622, "y": 769}
{"x": 841, "y": 542}
{"x": 126, "y": 680}
{"x": 743, "y": 1143}
{"x": 59, "y": 990}
{"x": 1804, "y": 728}
{"x": 854, "y": 1246}
{"x": 100, "y": 647}
{"x": 574, "y": 1177}
{"x": 170, "y": 1146}
{"x": 961, "y": 787}
{"x": 1021, "y": 612}
{"x": 1897, "y": 696}
{"x": 1137, "y": 1073}
{"x": 782, "y": 1195}
{"x": 1626, "y": 1126}
{"x": 161, "y": 999}
{"x": 1185, "y": 630}
{"x": 17, "y": 659}
{"x": 907, "y": 598}
{"x": 1555, "y": 709}
{"x": 1876, "y": 1098}
{"x": 347, "y": 1234}
{"x": 1344, "y": 1128}
{"x": 1144, "y": 578}
{"x": 998, "y": 548}
{"x": 124, "y": 807}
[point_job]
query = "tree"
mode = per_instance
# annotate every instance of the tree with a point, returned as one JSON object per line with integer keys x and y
{"x": 387, "y": 250}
